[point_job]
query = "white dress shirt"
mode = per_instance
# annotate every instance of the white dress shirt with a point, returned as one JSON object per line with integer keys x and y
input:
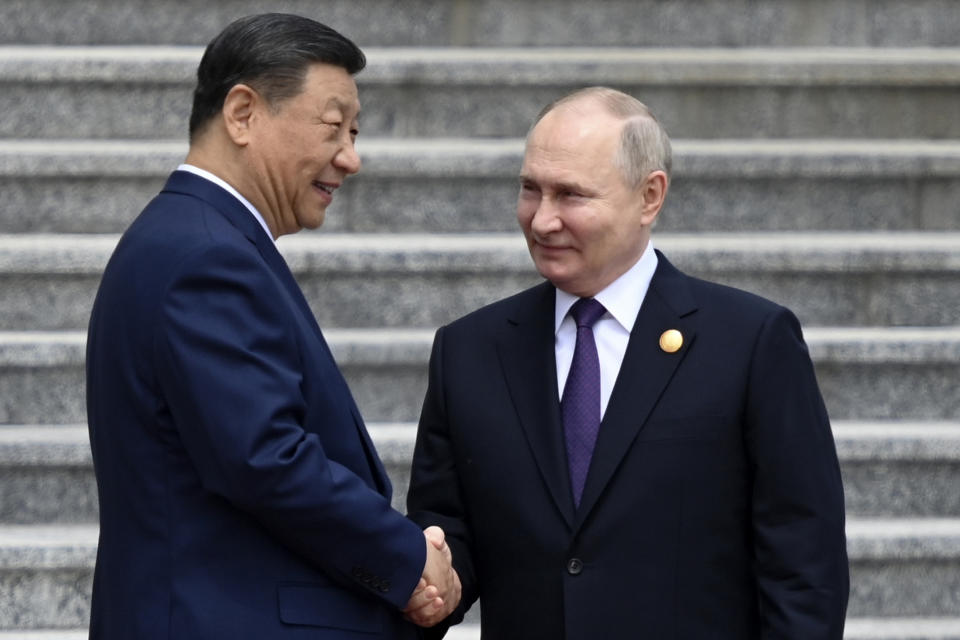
{"x": 197, "y": 171}
{"x": 622, "y": 299}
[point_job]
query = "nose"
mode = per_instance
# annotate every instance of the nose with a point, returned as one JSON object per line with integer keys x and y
{"x": 348, "y": 159}
{"x": 545, "y": 219}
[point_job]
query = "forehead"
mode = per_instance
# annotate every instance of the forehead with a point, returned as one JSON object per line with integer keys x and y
{"x": 573, "y": 139}
{"x": 327, "y": 86}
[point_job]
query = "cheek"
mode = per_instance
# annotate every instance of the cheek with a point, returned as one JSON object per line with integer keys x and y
{"x": 524, "y": 215}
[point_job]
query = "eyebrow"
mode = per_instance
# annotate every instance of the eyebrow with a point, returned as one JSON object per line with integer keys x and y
{"x": 340, "y": 104}
{"x": 562, "y": 185}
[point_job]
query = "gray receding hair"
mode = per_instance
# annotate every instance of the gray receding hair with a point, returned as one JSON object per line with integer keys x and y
{"x": 644, "y": 144}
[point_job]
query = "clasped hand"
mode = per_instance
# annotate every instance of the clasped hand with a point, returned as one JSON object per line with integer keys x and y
{"x": 438, "y": 592}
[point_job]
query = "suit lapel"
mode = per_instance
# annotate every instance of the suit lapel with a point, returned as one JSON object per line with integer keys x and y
{"x": 645, "y": 373}
{"x": 526, "y": 353}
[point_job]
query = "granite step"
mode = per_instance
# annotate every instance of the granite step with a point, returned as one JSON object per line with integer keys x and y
{"x": 459, "y": 185}
{"x": 890, "y": 469}
{"x": 145, "y": 92}
{"x": 865, "y": 373}
{"x": 48, "y": 281}
{"x": 856, "y": 629}
{"x": 902, "y": 568}
{"x": 902, "y": 629}
{"x": 726, "y": 23}
{"x": 899, "y": 469}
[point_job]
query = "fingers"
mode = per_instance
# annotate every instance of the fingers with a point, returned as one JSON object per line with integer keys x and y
{"x": 436, "y": 611}
{"x": 427, "y": 615}
{"x": 422, "y": 596}
{"x": 439, "y": 590}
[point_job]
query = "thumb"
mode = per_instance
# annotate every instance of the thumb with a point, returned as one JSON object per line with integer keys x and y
{"x": 436, "y": 537}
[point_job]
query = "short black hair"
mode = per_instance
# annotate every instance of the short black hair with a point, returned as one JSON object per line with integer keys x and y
{"x": 270, "y": 52}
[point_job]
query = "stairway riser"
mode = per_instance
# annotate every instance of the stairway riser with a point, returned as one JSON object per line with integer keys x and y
{"x": 443, "y": 204}
{"x": 152, "y": 111}
{"x": 394, "y": 393}
{"x": 408, "y": 297}
{"x": 905, "y": 588}
{"x": 48, "y": 494}
{"x": 60, "y": 598}
{"x": 730, "y": 23}
{"x": 45, "y": 599}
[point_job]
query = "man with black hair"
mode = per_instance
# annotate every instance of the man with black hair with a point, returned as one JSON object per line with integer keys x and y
{"x": 240, "y": 494}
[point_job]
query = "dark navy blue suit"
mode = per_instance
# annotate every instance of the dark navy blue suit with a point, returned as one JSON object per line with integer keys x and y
{"x": 240, "y": 494}
{"x": 713, "y": 507}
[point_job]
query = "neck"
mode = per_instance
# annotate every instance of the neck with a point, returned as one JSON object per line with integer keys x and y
{"x": 224, "y": 163}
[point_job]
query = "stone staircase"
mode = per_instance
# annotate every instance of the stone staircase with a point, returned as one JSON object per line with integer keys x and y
{"x": 818, "y": 163}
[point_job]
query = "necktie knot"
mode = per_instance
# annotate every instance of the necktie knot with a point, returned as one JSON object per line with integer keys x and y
{"x": 586, "y": 311}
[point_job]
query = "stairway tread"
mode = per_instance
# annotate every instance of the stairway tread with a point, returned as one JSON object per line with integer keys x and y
{"x": 856, "y": 439}
{"x": 412, "y": 345}
{"x": 890, "y": 66}
{"x": 807, "y": 251}
{"x": 856, "y": 629}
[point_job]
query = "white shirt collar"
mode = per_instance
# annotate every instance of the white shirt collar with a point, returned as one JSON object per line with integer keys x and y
{"x": 197, "y": 171}
{"x": 620, "y": 298}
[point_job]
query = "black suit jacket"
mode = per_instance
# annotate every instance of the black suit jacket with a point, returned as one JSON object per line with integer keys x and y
{"x": 240, "y": 495}
{"x": 713, "y": 507}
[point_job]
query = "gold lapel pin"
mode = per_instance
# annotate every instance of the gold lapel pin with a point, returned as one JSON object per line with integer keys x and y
{"x": 671, "y": 341}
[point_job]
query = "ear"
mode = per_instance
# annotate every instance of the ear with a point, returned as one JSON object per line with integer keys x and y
{"x": 239, "y": 110}
{"x": 653, "y": 192}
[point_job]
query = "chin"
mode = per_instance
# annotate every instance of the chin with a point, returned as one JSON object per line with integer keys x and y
{"x": 314, "y": 222}
{"x": 553, "y": 271}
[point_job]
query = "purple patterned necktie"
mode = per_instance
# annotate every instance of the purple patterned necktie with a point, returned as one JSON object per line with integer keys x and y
{"x": 580, "y": 406}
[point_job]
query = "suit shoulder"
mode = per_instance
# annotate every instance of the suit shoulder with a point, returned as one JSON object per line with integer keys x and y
{"x": 181, "y": 220}
{"x": 716, "y": 304}
{"x": 715, "y": 293}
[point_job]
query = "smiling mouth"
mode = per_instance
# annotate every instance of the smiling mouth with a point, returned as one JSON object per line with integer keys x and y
{"x": 548, "y": 247}
{"x": 324, "y": 187}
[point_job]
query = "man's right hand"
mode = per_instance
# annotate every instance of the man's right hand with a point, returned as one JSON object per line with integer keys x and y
{"x": 438, "y": 592}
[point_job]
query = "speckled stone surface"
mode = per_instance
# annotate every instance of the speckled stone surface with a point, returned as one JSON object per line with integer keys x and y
{"x": 909, "y": 588}
{"x": 45, "y": 493}
{"x": 38, "y": 599}
{"x": 463, "y": 185}
{"x": 45, "y": 575}
{"x": 386, "y": 22}
{"x": 729, "y": 23}
{"x": 900, "y": 469}
{"x": 432, "y": 93}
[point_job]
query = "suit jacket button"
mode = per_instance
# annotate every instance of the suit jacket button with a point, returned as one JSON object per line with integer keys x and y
{"x": 574, "y": 566}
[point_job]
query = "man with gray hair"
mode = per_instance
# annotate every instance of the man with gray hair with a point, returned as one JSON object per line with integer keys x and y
{"x": 624, "y": 450}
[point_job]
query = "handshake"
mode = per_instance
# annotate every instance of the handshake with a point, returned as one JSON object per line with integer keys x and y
{"x": 438, "y": 592}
